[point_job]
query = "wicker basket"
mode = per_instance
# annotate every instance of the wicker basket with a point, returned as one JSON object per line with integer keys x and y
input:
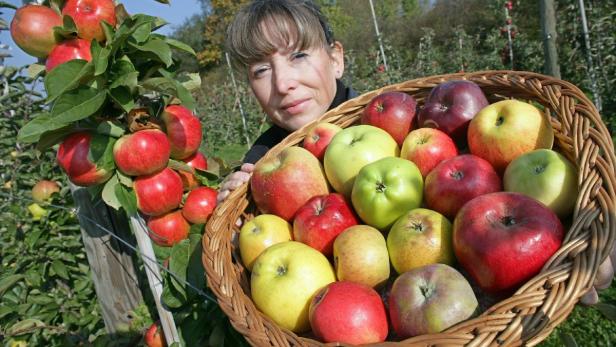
{"x": 528, "y": 316}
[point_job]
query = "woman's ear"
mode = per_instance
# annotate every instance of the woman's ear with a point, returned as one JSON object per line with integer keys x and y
{"x": 337, "y": 55}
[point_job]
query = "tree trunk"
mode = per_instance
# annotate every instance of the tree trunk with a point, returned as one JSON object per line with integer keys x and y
{"x": 548, "y": 29}
{"x": 113, "y": 271}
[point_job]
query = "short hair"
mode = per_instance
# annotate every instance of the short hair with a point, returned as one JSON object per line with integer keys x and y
{"x": 285, "y": 20}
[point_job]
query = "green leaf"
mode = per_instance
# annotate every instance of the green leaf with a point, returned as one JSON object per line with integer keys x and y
{"x": 25, "y": 326}
{"x": 127, "y": 198}
{"x": 67, "y": 76}
{"x": 159, "y": 48}
{"x": 9, "y": 281}
{"x": 60, "y": 269}
{"x": 110, "y": 128}
{"x": 122, "y": 97}
{"x": 35, "y": 70}
{"x": 77, "y": 104}
{"x": 180, "y": 45}
{"x": 100, "y": 58}
{"x": 609, "y": 311}
{"x": 52, "y": 137}
{"x": 109, "y": 195}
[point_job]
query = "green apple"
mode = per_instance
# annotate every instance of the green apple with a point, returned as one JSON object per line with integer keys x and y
{"x": 351, "y": 149}
{"x": 504, "y": 130}
{"x": 547, "y": 176}
{"x": 284, "y": 279}
{"x": 360, "y": 256}
{"x": 420, "y": 237}
{"x": 386, "y": 189}
{"x": 261, "y": 232}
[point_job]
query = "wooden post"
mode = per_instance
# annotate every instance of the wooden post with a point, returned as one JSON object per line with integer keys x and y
{"x": 548, "y": 29}
{"x": 113, "y": 271}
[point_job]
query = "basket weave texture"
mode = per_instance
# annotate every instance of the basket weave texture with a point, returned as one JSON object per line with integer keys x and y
{"x": 533, "y": 311}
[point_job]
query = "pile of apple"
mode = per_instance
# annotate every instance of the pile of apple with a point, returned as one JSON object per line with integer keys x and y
{"x": 141, "y": 156}
{"x": 395, "y": 221}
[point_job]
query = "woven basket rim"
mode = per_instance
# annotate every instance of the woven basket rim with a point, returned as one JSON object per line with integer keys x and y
{"x": 536, "y": 308}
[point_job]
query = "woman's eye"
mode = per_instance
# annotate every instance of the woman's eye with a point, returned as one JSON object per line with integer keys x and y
{"x": 298, "y": 55}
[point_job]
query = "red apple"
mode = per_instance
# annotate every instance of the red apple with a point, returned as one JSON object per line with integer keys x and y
{"x": 158, "y": 193}
{"x": 199, "y": 205}
{"x": 73, "y": 157}
{"x": 318, "y": 137}
{"x": 32, "y": 29}
{"x": 349, "y": 313}
{"x": 458, "y": 180}
{"x": 142, "y": 153}
{"x": 281, "y": 184}
{"x": 393, "y": 112}
{"x": 168, "y": 229}
{"x": 183, "y": 130}
{"x": 154, "y": 336}
{"x": 88, "y": 16}
{"x": 450, "y": 107}
{"x": 43, "y": 190}
{"x": 196, "y": 161}
{"x": 503, "y": 239}
{"x": 321, "y": 219}
{"x": 427, "y": 147}
{"x": 67, "y": 51}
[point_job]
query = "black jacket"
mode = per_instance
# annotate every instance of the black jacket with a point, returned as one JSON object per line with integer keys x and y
{"x": 275, "y": 134}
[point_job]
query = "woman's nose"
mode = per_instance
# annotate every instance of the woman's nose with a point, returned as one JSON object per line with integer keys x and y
{"x": 285, "y": 79}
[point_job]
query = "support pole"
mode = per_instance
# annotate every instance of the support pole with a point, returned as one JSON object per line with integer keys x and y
{"x": 378, "y": 36}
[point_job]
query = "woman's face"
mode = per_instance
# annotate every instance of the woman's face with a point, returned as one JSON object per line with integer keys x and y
{"x": 295, "y": 87}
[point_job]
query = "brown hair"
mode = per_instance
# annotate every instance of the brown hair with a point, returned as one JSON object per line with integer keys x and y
{"x": 263, "y": 26}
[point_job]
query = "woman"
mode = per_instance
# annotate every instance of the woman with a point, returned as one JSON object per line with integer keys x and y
{"x": 293, "y": 65}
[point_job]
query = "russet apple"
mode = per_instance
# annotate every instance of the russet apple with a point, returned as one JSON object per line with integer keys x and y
{"x": 503, "y": 239}
{"x": 351, "y": 149}
{"x": 143, "y": 152}
{"x": 458, "y": 180}
{"x": 348, "y": 312}
{"x": 427, "y": 147}
{"x": 183, "y": 129}
{"x": 502, "y": 131}
{"x": 547, "y": 176}
{"x": 318, "y": 138}
{"x": 321, "y": 219}
{"x": 199, "y": 204}
{"x": 360, "y": 255}
{"x": 74, "y": 158}
{"x": 168, "y": 229}
{"x": 159, "y": 192}
{"x": 259, "y": 233}
{"x": 450, "y": 106}
{"x": 88, "y": 16}
{"x": 32, "y": 29}
{"x": 66, "y": 51}
{"x": 281, "y": 184}
{"x": 386, "y": 189}
{"x": 393, "y": 112}
{"x": 418, "y": 238}
{"x": 285, "y": 278}
{"x": 430, "y": 299}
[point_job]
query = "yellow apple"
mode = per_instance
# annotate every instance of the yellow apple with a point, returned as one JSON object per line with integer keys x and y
{"x": 261, "y": 232}
{"x": 504, "y": 130}
{"x": 284, "y": 279}
{"x": 360, "y": 256}
{"x": 420, "y": 237}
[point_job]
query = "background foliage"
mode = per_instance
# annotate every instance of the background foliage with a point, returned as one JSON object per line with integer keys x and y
{"x": 44, "y": 276}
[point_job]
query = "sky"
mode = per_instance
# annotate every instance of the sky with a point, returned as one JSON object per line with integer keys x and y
{"x": 175, "y": 14}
